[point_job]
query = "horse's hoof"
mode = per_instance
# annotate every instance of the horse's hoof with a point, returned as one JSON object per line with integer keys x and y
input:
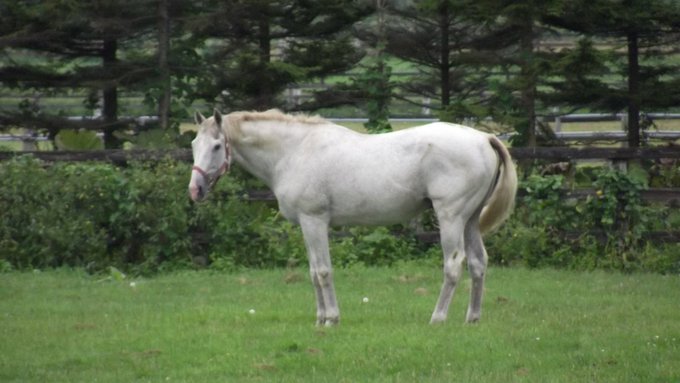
{"x": 472, "y": 318}
{"x": 327, "y": 322}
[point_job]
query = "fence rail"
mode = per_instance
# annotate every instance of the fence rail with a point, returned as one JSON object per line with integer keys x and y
{"x": 564, "y": 153}
{"x": 558, "y": 120}
{"x": 115, "y": 156}
{"x": 557, "y": 153}
{"x": 585, "y": 136}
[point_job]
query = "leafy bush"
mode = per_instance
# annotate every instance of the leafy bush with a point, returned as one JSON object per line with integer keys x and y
{"x": 139, "y": 219}
{"x": 606, "y": 230}
{"x": 92, "y": 215}
{"x": 373, "y": 247}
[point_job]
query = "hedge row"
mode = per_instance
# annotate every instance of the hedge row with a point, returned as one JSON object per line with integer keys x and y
{"x": 139, "y": 218}
{"x": 609, "y": 230}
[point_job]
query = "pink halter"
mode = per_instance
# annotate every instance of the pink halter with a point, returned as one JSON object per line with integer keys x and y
{"x": 223, "y": 169}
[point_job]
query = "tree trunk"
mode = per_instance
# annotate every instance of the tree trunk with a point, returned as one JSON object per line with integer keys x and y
{"x": 163, "y": 65}
{"x": 444, "y": 54}
{"x": 265, "y": 97}
{"x": 110, "y": 94}
{"x": 633, "y": 90}
{"x": 384, "y": 92}
{"x": 528, "y": 87}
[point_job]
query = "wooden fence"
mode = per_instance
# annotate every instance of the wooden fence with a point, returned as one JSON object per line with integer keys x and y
{"x": 557, "y": 153}
{"x": 595, "y": 153}
{"x": 29, "y": 139}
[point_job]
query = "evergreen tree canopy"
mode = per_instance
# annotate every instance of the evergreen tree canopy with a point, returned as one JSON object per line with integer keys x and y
{"x": 257, "y": 48}
{"x": 639, "y": 33}
{"x": 469, "y": 58}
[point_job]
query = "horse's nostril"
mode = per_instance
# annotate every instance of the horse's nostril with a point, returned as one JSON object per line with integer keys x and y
{"x": 196, "y": 192}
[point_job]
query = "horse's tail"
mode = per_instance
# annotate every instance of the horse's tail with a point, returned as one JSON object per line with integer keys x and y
{"x": 502, "y": 199}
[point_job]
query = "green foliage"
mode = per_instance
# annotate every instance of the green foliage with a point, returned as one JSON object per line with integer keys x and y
{"x": 68, "y": 139}
{"x": 138, "y": 219}
{"x": 254, "y": 236}
{"x": 92, "y": 215}
{"x": 373, "y": 247}
{"x": 153, "y": 139}
{"x": 665, "y": 173}
{"x": 582, "y": 68}
{"x": 459, "y": 111}
{"x": 5, "y": 266}
{"x": 618, "y": 206}
{"x": 374, "y": 84}
{"x": 606, "y": 230}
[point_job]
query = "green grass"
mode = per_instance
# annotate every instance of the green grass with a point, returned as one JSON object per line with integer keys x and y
{"x": 537, "y": 326}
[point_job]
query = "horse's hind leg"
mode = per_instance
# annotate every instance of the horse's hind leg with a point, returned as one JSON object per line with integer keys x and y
{"x": 315, "y": 232}
{"x": 451, "y": 231}
{"x": 477, "y": 260}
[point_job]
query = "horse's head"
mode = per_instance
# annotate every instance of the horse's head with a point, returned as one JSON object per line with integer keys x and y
{"x": 212, "y": 155}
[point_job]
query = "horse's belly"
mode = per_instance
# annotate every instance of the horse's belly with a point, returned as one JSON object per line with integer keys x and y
{"x": 376, "y": 210}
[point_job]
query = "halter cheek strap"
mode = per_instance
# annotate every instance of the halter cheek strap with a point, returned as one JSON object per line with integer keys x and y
{"x": 200, "y": 171}
{"x": 226, "y": 166}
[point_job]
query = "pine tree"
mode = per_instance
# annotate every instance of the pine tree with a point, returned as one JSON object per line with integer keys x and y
{"x": 437, "y": 36}
{"x": 511, "y": 41}
{"x": 60, "y": 33}
{"x": 259, "y": 47}
{"x": 647, "y": 31}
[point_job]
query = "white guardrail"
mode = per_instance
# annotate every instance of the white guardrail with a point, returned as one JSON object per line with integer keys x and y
{"x": 557, "y": 120}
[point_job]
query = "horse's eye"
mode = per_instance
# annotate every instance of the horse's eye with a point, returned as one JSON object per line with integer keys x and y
{"x": 216, "y": 147}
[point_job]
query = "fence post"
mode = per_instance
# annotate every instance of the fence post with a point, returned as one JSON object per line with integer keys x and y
{"x": 622, "y": 165}
{"x": 426, "y": 106}
{"x": 28, "y": 141}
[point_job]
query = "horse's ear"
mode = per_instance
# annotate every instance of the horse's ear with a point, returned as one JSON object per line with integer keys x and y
{"x": 218, "y": 117}
{"x": 198, "y": 117}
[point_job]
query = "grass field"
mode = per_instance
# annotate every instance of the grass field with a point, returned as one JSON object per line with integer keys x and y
{"x": 537, "y": 326}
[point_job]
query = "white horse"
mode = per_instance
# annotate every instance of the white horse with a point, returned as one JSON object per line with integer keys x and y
{"x": 323, "y": 175}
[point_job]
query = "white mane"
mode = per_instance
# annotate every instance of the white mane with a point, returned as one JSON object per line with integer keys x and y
{"x": 274, "y": 115}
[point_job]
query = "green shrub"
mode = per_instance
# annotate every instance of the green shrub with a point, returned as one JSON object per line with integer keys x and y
{"x": 92, "y": 215}
{"x": 601, "y": 231}
{"x": 39, "y": 227}
{"x": 372, "y": 247}
{"x": 253, "y": 235}
{"x": 139, "y": 219}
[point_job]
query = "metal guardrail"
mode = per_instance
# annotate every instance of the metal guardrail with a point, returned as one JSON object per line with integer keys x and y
{"x": 13, "y": 137}
{"x": 618, "y": 135}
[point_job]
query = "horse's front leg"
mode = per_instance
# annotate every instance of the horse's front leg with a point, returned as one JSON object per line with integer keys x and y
{"x": 315, "y": 232}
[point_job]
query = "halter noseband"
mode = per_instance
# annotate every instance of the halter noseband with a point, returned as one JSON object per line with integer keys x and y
{"x": 223, "y": 169}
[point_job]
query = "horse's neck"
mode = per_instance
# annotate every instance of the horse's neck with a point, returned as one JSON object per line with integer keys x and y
{"x": 259, "y": 146}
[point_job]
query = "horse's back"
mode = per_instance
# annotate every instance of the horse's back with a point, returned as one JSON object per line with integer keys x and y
{"x": 448, "y": 136}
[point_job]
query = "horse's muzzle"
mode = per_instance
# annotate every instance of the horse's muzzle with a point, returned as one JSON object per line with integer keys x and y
{"x": 197, "y": 193}
{"x": 198, "y": 189}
